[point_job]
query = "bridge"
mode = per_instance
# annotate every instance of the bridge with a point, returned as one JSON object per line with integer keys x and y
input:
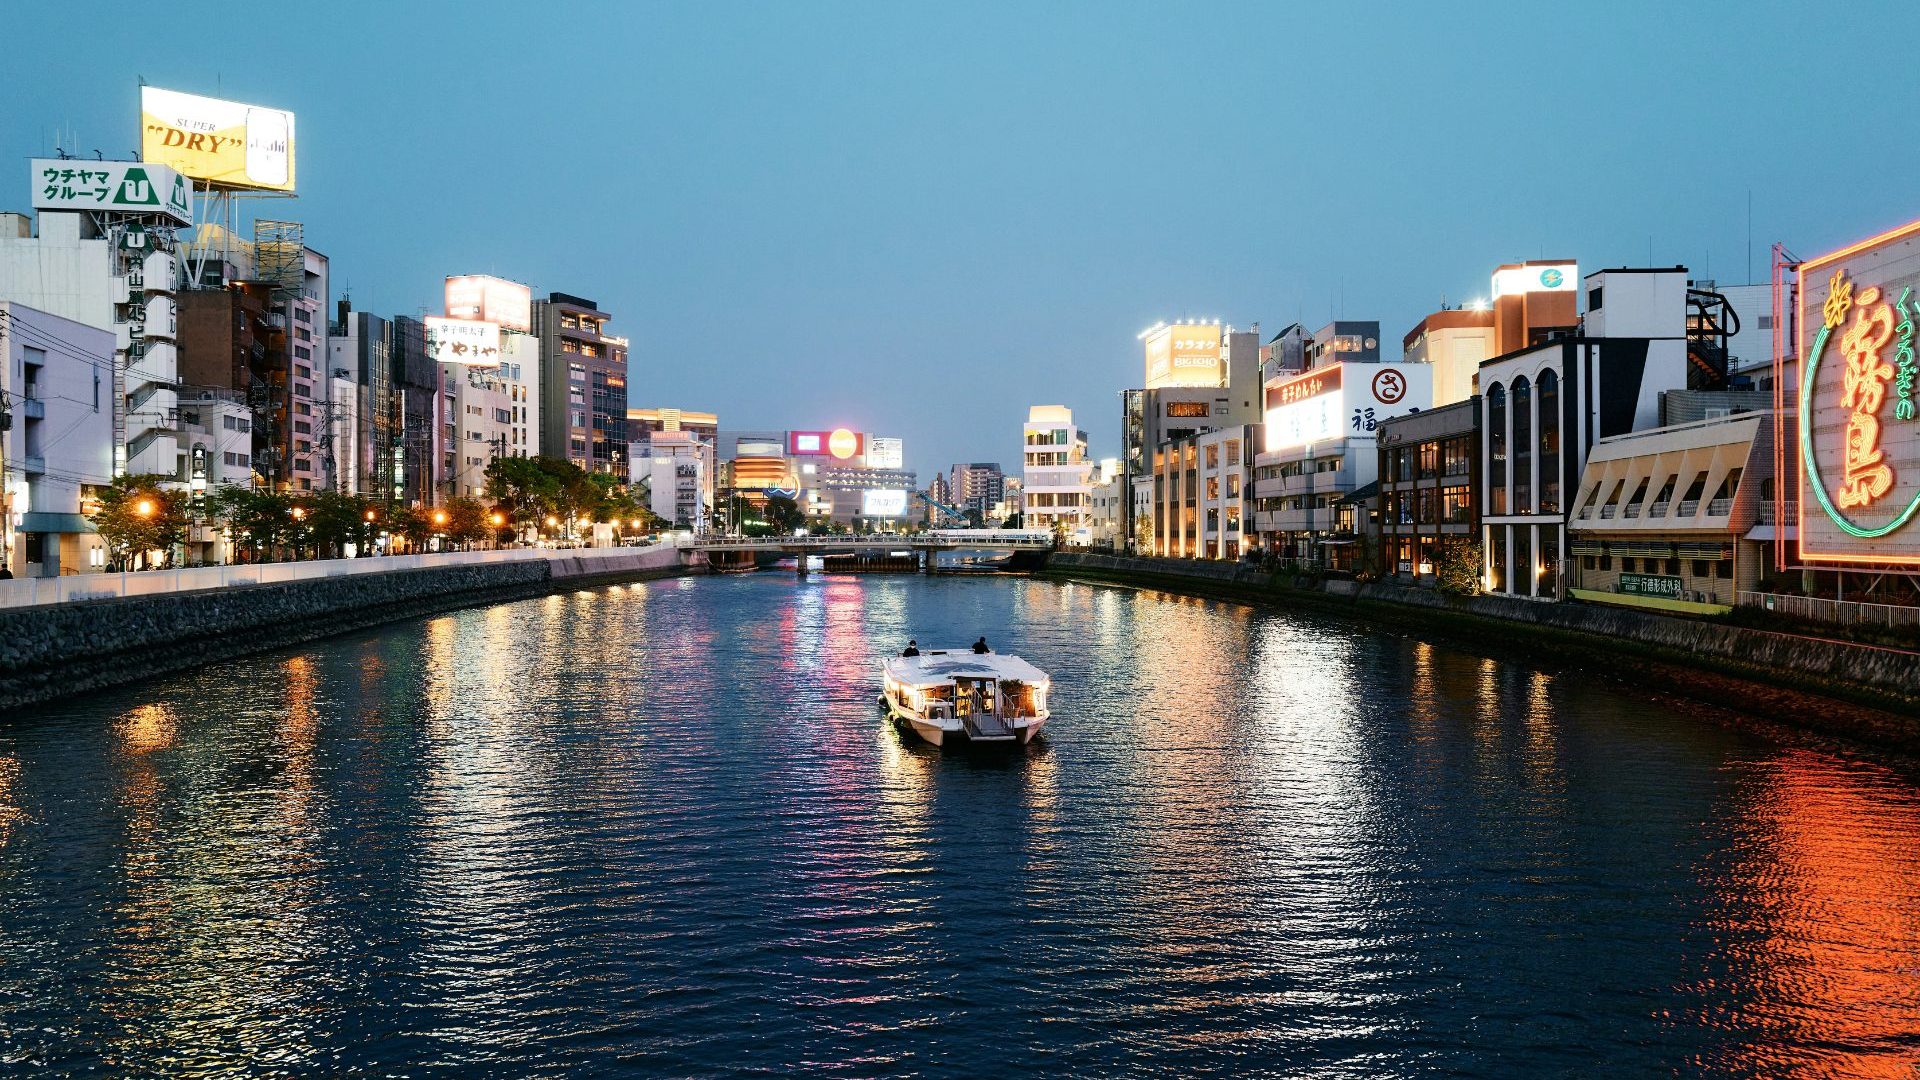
{"x": 926, "y": 546}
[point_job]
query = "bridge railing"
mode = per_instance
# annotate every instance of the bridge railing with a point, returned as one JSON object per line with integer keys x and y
{"x": 943, "y": 540}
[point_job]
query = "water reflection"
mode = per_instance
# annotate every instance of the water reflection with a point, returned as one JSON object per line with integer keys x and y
{"x": 664, "y": 829}
{"x": 1818, "y": 924}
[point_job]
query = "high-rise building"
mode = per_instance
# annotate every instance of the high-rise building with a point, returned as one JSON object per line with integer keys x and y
{"x": 1056, "y": 474}
{"x": 975, "y": 486}
{"x": 583, "y": 393}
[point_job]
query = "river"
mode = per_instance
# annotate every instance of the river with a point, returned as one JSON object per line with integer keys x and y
{"x": 661, "y": 829}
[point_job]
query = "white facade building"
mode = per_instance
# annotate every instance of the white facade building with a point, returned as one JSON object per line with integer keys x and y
{"x": 57, "y": 387}
{"x": 1543, "y": 408}
{"x": 1319, "y": 447}
{"x": 117, "y": 271}
{"x": 481, "y": 410}
{"x": 1055, "y": 474}
{"x": 677, "y": 470}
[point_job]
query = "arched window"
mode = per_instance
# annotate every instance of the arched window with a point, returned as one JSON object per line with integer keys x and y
{"x": 1497, "y": 450}
{"x": 1522, "y": 448}
{"x": 1549, "y": 391}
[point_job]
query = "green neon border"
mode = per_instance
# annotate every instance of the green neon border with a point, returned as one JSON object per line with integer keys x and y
{"x": 1812, "y": 470}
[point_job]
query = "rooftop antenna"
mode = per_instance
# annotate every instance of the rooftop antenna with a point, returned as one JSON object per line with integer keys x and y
{"x": 1749, "y": 236}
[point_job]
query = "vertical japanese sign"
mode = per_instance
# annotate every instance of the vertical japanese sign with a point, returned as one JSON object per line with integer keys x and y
{"x": 1858, "y": 475}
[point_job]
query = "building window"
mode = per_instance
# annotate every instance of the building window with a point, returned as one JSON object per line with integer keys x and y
{"x": 1549, "y": 392}
{"x": 1497, "y": 449}
{"x": 1186, "y": 409}
{"x": 1522, "y": 450}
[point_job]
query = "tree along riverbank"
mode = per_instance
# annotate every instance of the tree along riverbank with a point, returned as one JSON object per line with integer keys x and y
{"x": 1856, "y": 692}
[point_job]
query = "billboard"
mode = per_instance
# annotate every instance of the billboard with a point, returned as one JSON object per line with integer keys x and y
{"x": 884, "y": 453}
{"x": 840, "y": 444}
{"x": 883, "y": 502}
{"x": 463, "y": 341}
{"x": 127, "y": 187}
{"x": 228, "y": 144}
{"x": 1343, "y": 401}
{"x": 1183, "y": 354}
{"x": 1515, "y": 280}
{"x": 1858, "y": 417}
{"x": 483, "y": 298}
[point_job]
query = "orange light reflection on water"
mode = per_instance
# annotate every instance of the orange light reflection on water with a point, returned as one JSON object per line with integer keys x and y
{"x": 1819, "y": 924}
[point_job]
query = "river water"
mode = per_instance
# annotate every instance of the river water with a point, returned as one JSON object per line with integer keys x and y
{"x": 662, "y": 829}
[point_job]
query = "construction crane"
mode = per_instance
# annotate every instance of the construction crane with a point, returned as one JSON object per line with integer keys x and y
{"x": 953, "y": 515}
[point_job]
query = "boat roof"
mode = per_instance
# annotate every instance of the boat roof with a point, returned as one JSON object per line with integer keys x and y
{"x": 937, "y": 667}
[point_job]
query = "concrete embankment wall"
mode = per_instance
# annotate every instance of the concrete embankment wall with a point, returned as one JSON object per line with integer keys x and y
{"x": 1854, "y": 691}
{"x": 55, "y": 650}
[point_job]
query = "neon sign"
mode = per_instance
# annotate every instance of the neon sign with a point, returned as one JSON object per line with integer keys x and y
{"x": 1866, "y": 476}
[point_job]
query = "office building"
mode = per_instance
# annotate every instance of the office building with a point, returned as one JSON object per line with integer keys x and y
{"x": 583, "y": 395}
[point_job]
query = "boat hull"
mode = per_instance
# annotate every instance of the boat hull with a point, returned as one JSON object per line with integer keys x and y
{"x": 935, "y": 735}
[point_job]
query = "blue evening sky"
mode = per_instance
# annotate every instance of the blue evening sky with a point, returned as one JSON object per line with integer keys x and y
{"x": 919, "y": 219}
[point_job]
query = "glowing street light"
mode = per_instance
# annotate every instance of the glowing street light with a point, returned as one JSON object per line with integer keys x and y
{"x": 144, "y": 508}
{"x": 497, "y": 519}
{"x": 299, "y": 513}
{"x": 439, "y": 517}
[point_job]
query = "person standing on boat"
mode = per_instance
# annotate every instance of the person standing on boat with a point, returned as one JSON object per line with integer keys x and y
{"x": 981, "y": 645}
{"x": 912, "y": 649}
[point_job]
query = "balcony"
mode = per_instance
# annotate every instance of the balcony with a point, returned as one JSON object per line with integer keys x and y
{"x": 1689, "y": 507}
{"x": 1608, "y": 511}
{"x": 1631, "y": 512}
{"x": 1659, "y": 510}
{"x": 32, "y": 407}
{"x": 1720, "y": 508}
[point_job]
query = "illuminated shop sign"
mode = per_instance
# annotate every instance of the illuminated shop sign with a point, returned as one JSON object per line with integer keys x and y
{"x": 840, "y": 444}
{"x": 482, "y": 298}
{"x": 1517, "y": 280}
{"x": 1859, "y": 461}
{"x": 1184, "y": 354}
{"x": 457, "y": 341}
{"x": 1343, "y": 401}
{"x": 883, "y": 502}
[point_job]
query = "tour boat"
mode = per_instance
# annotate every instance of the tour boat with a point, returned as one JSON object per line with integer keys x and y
{"x": 959, "y": 694}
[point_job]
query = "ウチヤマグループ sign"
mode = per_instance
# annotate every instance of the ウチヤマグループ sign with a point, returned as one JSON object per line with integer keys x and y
{"x": 128, "y": 187}
{"x": 1854, "y": 408}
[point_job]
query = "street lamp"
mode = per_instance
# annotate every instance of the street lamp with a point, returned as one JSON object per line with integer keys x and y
{"x": 144, "y": 508}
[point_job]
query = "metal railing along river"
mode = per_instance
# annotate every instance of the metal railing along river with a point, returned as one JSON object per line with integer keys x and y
{"x": 34, "y": 592}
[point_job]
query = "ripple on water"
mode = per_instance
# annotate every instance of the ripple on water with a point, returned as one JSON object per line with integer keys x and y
{"x": 662, "y": 828}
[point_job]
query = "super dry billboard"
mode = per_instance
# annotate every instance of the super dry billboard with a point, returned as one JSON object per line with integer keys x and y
{"x": 1856, "y": 403}
{"x": 227, "y": 144}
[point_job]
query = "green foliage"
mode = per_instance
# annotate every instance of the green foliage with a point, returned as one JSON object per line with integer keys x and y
{"x": 139, "y": 517}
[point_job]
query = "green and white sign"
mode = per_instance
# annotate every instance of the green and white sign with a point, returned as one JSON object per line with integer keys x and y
{"x": 124, "y": 187}
{"x": 1651, "y": 585}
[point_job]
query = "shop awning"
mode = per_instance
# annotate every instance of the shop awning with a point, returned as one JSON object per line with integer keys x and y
{"x": 40, "y": 521}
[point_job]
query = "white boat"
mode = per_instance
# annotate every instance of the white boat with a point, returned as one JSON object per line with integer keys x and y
{"x": 948, "y": 694}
